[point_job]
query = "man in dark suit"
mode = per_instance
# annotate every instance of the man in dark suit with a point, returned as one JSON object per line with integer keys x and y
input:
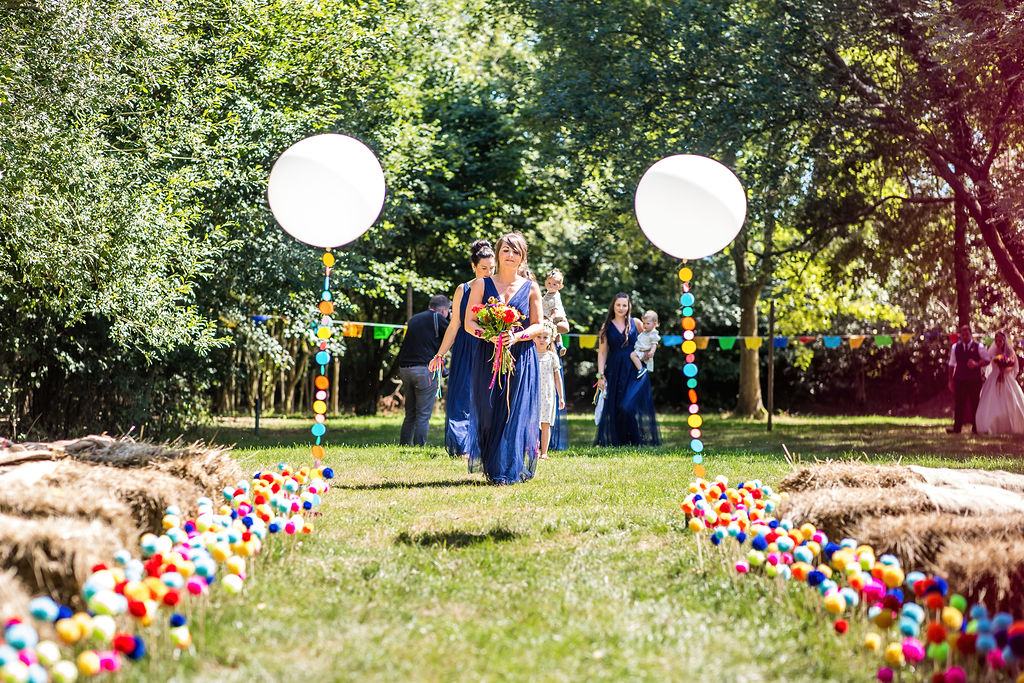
{"x": 422, "y": 340}
{"x": 966, "y": 360}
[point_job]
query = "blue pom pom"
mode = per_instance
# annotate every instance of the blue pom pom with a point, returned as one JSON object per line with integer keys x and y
{"x": 941, "y": 585}
{"x": 189, "y": 527}
{"x": 177, "y": 620}
{"x": 307, "y": 505}
{"x": 64, "y": 612}
{"x": 273, "y": 527}
{"x": 774, "y": 524}
{"x": 741, "y": 537}
{"x": 896, "y": 593}
{"x": 985, "y": 642}
{"x": 328, "y": 473}
{"x": 830, "y": 549}
{"x": 1001, "y": 621}
{"x": 759, "y": 543}
{"x": 247, "y": 521}
{"x": 978, "y": 612}
{"x": 715, "y": 540}
{"x": 697, "y": 497}
{"x": 257, "y": 475}
{"x": 815, "y": 578}
{"x": 723, "y": 497}
{"x": 139, "y": 651}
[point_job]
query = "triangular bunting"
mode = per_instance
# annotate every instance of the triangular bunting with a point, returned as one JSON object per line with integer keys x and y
{"x": 671, "y": 340}
{"x": 806, "y": 340}
{"x": 856, "y": 340}
{"x": 832, "y": 342}
{"x": 382, "y": 331}
{"x": 883, "y": 340}
{"x": 726, "y": 343}
{"x": 702, "y": 342}
{"x": 905, "y": 337}
{"x": 352, "y": 329}
{"x": 780, "y": 342}
{"x": 753, "y": 342}
{"x": 588, "y": 341}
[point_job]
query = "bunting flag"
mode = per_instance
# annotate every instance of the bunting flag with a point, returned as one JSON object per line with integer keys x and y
{"x": 883, "y": 340}
{"x": 780, "y": 342}
{"x": 905, "y": 337}
{"x": 565, "y": 341}
{"x": 807, "y": 340}
{"x": 588, "y": 341}
{"x": 753, "y": 342}
{"x": 832, "y": 342}
{"x": 382, "y": 331}
{"x": 856, "y": 340}
{"x": 701, "y": 342}
{"x": 671, "y": 340}
{"x": 352, "y": 329}
{"x": 726, "y": 343}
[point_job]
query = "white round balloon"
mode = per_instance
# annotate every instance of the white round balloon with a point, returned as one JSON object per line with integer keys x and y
{"x": 326, "y": 190}
{"x": 690, "y": 206}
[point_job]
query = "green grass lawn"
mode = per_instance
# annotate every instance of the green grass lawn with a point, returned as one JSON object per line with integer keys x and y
{"x": 418, "y": 570}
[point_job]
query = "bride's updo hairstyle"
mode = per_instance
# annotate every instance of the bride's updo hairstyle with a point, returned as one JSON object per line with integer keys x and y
{"x": 517, "y": 243}
{"x": 480, "y": 249}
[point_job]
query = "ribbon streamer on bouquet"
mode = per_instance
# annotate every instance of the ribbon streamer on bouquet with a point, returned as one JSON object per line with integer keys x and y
{"x": 437, "y": 375}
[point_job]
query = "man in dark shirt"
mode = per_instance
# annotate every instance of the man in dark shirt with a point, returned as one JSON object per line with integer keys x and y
{"x": 966, "y": 359}
{"x": 422, "y": 340}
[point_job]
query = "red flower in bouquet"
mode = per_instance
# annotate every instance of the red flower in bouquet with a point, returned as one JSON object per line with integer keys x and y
{"x": 497, "y": 318}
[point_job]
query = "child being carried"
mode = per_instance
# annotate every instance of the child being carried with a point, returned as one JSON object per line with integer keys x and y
{"x": 646, "y": 342}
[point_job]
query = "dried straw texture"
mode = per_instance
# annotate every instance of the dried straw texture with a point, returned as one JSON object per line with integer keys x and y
{"x": 54, "y": 556}
{"x": 989, "y": 571}
{"x": 839, "y": 511}
{"x": 146, "y": 491}
{"x": 14, "y": 596}
{"x": 43, "y": 502}
{"x": 920, "y": 538}
{"x": 847, "y": 475}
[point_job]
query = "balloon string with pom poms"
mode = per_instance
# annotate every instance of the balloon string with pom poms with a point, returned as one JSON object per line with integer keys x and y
{"x": 694, "y": 421}
{"x": 322, "y": 359}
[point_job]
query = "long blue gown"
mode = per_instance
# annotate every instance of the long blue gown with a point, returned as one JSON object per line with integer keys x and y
{"x": 506, "y": 418}
{"x": 628, "y": 417}
{"x": 560, "y": 429}
{"x": 465, "y": 349}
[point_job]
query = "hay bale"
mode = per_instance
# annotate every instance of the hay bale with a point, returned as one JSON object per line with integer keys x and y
{"x": 14, "y": 597}
{"x": 918, "y": 539}
{"x": 969, "y": 479}
{"x": 974, "y": 500}
{"x": 147, "y": 491}
{"x": 54, "y": 556}
{"x": 848, "y": 475}
{"x": 987, "y": 571}
{"x": 44, "y": 502}
{"x": 839, "y": 511}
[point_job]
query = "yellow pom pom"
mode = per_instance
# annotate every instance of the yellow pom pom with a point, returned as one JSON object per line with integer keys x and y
{"x": 835, "y": 603}
{"x": 89, "y": 663}
{"x": 893, "y": 577}
{"x": 894, "y": 655}
{"x": 872, "y": 642}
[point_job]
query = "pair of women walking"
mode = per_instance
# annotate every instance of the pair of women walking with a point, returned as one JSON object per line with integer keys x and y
{"x": 496, "y": 425}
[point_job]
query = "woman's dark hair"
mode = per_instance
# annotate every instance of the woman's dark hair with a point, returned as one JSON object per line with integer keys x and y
{"x": 480, "y": 249}
{"x": 611, "y": 316}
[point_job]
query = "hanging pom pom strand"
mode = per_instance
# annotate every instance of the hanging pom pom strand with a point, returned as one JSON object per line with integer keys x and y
{"x": 689, "y": 348}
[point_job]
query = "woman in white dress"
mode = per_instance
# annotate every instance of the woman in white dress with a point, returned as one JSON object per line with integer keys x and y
{"x": 1001, "y": 405}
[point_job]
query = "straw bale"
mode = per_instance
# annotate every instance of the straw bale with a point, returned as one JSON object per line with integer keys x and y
{"x": 918, "y": 539}
{"x": 838, "y": 511}
{"x": 988, "y": 571}
{"x": 848, "y": 475}
{"x": 14, "y": 597}
{"x": 975, "y": 500}
{"x": 147, "y": 491}
{"x": 53, "y": 556}
{"x": 42, "y": 502}
{"x": 943, "y": 476}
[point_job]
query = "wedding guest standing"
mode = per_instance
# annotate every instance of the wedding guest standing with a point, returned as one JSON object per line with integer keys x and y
{"x": 464, "y": 348}
{"x": 1001, "y": 404}
{"x": 627, "y": 418}
{"x": 966, "y": 359}
{"x": 423, "y": 337}
{"x": 506, "y": 418}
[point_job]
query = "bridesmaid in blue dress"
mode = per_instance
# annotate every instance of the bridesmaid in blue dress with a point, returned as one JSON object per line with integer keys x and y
{"x": 465, "y": 348}
{"x": 506, "y": 418}
{"x": 628, "y": 416}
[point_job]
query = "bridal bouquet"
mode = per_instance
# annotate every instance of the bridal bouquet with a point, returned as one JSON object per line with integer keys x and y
{"x": 1002, "y": 362}
{"x": 495, "y": 318}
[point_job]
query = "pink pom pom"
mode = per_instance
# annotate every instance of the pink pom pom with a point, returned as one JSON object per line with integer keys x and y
{"x": 995, "y": 659}
{"x": 955, "y": 675}
{"x": 289, "y": 528}
{"x": 913, "y": 650}
{"x": 110, "y": 660}
{"x": 885, "y": 675}
{"x": 195, "y": 586}
{"x": 787, "y": 558}
{"x": 742, "y": 567}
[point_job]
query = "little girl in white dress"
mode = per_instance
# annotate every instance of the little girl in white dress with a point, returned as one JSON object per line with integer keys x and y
{"x": 552, "y": 396}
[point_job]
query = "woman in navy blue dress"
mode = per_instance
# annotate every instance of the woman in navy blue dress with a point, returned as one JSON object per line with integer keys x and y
{"x": 628, "y": 415}
{"x": 506, "y": 415}
{"x": 465, "y": 348}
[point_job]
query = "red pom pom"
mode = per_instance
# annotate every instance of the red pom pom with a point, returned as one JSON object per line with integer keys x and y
{"x": 938, "y": 677}
{"x": 966, "y": 643}
{"x": 124, "y": 642}
{"x": 921, "y": 587}
{"x": 98, "y": 567}
{"x": 260, "y": 499}
{"x": 172, "y": 598}
{"x": 137, "y": 608}
{"x": 841, "y": 626}
{"x": 891, "y": 602}
{"x": 936, "y": 632}
{"x": 247, "y": 536}
{"x": 934, "y": 601}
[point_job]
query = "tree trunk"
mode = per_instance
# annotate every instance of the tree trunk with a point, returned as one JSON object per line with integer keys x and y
{"x": 748, "y": 402}
{"x": 335, "y": 378}
{"x": 960, "y": 268}
{"x": 408, "y": 301}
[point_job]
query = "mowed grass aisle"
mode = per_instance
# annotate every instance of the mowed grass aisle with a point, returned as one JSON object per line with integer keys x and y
{"x": 418, "y": 570}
